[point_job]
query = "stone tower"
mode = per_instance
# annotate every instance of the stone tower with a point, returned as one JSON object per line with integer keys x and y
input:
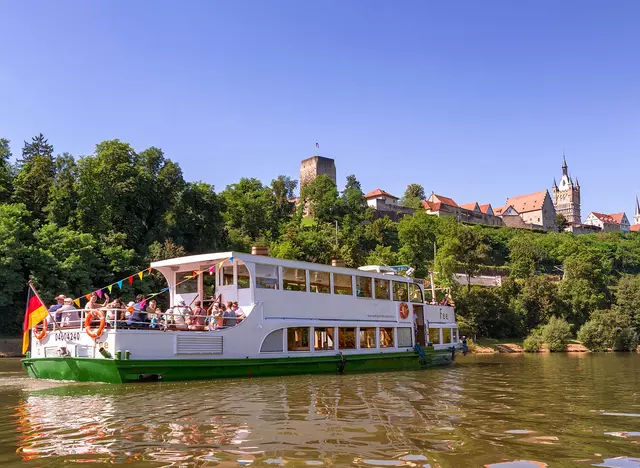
{"x": 566, "y": 196}
{"x": 314, "y": 166}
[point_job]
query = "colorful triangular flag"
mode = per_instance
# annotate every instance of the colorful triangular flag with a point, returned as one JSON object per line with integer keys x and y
{"x": 99, "y": 293}
{"x": 120, "y": 284}
{"x": 130, "y": 278}
{"x": 109, "y": 288}
{"x": 143, "y": 303}
{"x": 77, "y": 302}
{"x": 87, "y": 296}
{"x": 149, "y": 270}
{"x": 212, "y": 269}
{"x": 140, "y": 275}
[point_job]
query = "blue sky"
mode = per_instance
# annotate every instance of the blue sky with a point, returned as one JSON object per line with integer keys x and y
{"x": 475, "y": 100}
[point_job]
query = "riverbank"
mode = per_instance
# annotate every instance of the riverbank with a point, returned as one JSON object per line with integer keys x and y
{"x": 10, "y": 347}
{"x": 491, "y": 346}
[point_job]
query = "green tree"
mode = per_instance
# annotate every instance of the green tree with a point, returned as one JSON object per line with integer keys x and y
{"x": 354, "y": 203}
{"x": 35, "y": 176}
{"x": 556, "y": 334}
{"x": 63, "y": 199}
{"x": 282, "y": 188}
{"x": 320, "y": 198}
{"x": 561, "y": 222}
{"x": 6, "y": 175}
{"x": 537, "y": 301}
{"x": 628, "y": 299}
{"x": 465, "y": 250}
{"x": 526, "y": 256}
{"x": 417, "y": 236}
{"x": 413, "y": 196}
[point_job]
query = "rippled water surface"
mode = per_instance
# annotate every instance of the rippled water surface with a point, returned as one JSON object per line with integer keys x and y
{"x": 506, "y": 411}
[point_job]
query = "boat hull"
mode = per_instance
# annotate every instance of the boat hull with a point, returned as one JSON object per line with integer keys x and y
{"x": 120, "y": 371}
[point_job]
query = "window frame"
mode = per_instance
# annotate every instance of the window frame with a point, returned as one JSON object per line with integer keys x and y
{"x": 333, "y": 284}
{"x": 308, "y": 339}
{"x": 306, "y": 279}
{"x": 331, "y": 334}
{"x": 354, "y": 330}
{"x": 393, "y": 288}
{"x": 362, "y": 330}
{"x": 256, "y": 266}
{"x": 328, "y": 286}
{"x": 392, "y": 335}
{"x": 411, "y": 299}
{"x": 375, "y": 288}
{"x": 370, "y": 296}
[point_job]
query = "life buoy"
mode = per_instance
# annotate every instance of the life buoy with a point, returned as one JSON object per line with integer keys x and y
{"x": 87, "y": 323}
{"x": 404, "y": 310}
{"x": 42, "y": 333}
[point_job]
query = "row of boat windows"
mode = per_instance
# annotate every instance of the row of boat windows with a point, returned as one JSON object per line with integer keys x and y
{"x": 331, "y": 338}
{"x": 322, "y": 282}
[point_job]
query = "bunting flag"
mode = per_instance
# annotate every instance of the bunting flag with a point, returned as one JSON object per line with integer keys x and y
{"x": 35, "y": 313}
{"x": 220, "y": 264}
{"x": 77, "y": 302}
{"x": 120, "y": 284}
{"x": 130, "y": 278}
{"x": 149, "y": 270}
{"x": 231, "y": 259}
{"x": 87, "y": 296}
{"x": 196, "y": 273}
{"x": 186, "y": 278}
{"x": 143, "y": 303}
{"x": 212, "y": 269}
{"x": 109, "y": 288}
{"x": 99, "y": 293}
{"x": 140, "y": 275}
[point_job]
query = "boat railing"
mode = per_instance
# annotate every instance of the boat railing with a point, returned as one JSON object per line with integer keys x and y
{"x": 135, "y": 319}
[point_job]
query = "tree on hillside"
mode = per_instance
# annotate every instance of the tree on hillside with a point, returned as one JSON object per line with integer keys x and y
{"x": 35, "y": 176}
{"x": 320, "y": 197}
{"x": 283, "y": 188}
{"x": 628, "y": 298}
{"x": 6, "y": 176}
{"x": 63, "y": 199}
{"x": 465, "y": 250}
{"x": 561, "y": 222}
{"x": 354, "y": 203}
{"x": 417, "y": 235}
{"x": 413, "y": 196}
{"x": 525, "y": 256}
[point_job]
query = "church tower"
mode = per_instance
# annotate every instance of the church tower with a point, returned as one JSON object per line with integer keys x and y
{"x": 636, "y": 217}
{"x": 566, "y": 196}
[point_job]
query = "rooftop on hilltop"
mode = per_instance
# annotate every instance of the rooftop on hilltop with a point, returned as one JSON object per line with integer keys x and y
{"x": 379, "y": 193}
{"x": 529, "y": 202}
{"x": 608, "y": 219}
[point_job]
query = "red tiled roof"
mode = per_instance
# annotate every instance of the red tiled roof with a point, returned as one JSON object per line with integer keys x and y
{"x": 469, "y": 206}
{"x": 526, "y": 203}
{"x": 378, "y": 193}
{"x": 444, "y": 200}
{"x": 617, "y": 217}
{"x": 433, "y": 206}
{"x": 635, "y": 227}
{"x": 605, "y": 218}
{"x": 485, "y": 208}
{"x": 501, "y": 209}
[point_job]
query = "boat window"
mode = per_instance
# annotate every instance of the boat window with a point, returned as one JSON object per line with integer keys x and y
{"x": 342, "y": 284}
{"x": 454, "y": 335}
{"x": 244, "y": 281}
{"x": 434, "y": 336}
{"x": 266, "y": 276}
{"x": 446, "y": 335}
{"x": 382, "y": 288}
{"x": 416, "y": 293}
{"x": 294, "y": 279}
{"x": 298, "y": 339}
{"x": 208, "y": 284}
{"x": 227, "y": 275}
{"x": 363, "y": 286}
{"x": 189, "y": 286}
{"x": 404, "y": 337}
{"x": 386, "y": 337}
{"x": 400, "y": 291}
{"x": 346, "y": 338}
{"x": 319, "y": 282}
{"x": 272, "y": 343}
{"x": 323, "y": 338}
{"x": 367, "y": 337}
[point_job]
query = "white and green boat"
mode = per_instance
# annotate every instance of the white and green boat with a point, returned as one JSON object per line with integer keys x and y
{"x": 301, "y": 318}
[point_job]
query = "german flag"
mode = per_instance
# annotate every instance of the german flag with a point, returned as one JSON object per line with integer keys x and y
{"x": 35, "y": 313}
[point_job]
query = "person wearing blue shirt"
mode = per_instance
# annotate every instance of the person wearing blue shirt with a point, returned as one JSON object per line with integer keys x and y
{"x": 55, "y": 307}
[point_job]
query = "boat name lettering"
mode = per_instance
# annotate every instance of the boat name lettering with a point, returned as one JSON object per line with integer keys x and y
{"x": 67, "y": 336}
{"x": 379, "y": 315}
{"x": 444, "y": 315}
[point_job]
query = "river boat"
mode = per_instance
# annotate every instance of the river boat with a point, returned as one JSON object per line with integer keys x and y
{"x": 298, "y": 318}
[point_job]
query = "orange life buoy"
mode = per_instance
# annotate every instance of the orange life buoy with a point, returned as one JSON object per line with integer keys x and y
{"x": 42, "y": 333}
{"x": 404, "y": 310}
{"x": 87, "y": 323}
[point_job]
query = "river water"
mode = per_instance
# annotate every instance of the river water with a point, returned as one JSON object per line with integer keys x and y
{"x": 502, "y": 411}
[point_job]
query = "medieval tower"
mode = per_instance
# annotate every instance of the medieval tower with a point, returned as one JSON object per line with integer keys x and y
{"x": 314, "y": 166}
{"x": 566, "y": 196}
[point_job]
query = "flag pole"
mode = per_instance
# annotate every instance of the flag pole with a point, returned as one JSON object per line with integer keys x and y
{"x": 35, "y": 291}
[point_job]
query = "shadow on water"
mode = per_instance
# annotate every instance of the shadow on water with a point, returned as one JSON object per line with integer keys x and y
{"x": 500, "y": 411}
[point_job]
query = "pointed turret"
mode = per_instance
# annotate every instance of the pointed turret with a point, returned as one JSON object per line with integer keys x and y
{"x": 565, "y": 168}
{"x": 555, "y": 184}
{"x": 577, "y": 182}
{"x": 637, "y": 207}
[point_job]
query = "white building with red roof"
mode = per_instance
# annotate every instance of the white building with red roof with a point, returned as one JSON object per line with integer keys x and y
{"x": 386, "y": 204}
{"x": 609, "y": 222}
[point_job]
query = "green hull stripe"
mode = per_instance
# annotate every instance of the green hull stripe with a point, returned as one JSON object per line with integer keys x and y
{"x": 119, "y": 371}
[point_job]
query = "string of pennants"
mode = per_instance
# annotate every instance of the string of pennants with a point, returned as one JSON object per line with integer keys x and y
{"x": 140, "y": 274}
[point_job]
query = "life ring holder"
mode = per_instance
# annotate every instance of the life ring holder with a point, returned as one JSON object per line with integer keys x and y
{"x": 42, "y": 333}
{"x": 404, "y": 310}
{"x": 87, "y": 323}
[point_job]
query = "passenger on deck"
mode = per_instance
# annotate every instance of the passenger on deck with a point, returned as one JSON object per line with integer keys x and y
{"x": 239, "y": 313}
{"x": 179, "y": 313}
{"x": 138, "y": 316}
{"x": 70, "y": 316}
{"x": 229, "y": 316}
{"x": 93, "y": 302}
{"x": 151, "y": 309}
{"x": 55, "y": 308}
{"x": 158, "y": 320}
{"x": 197, "y": 318}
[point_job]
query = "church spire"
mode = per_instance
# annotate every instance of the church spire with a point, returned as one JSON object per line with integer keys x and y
{"x": 565, "y": 168}
{"x": 637, "y": 206}
{"x": 555, "y": 184}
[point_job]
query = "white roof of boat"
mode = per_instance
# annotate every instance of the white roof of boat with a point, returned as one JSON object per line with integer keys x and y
{"x": 210, "y": 257}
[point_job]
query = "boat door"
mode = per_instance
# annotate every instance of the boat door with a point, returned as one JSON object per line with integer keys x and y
{"x": 418, "y": 321}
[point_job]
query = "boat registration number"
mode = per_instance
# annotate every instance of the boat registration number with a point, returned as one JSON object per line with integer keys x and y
{"x": 67, "y": 336}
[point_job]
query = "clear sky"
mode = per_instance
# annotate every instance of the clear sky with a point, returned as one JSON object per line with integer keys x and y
{"x": 475, "y": 100}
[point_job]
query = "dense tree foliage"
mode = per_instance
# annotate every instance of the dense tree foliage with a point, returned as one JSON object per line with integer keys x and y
{"x": 73, "y": 224}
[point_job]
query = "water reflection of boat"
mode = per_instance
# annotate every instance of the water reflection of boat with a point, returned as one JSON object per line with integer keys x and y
{"x": 297, "y": 318}
{"x": 301, "y": 419}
